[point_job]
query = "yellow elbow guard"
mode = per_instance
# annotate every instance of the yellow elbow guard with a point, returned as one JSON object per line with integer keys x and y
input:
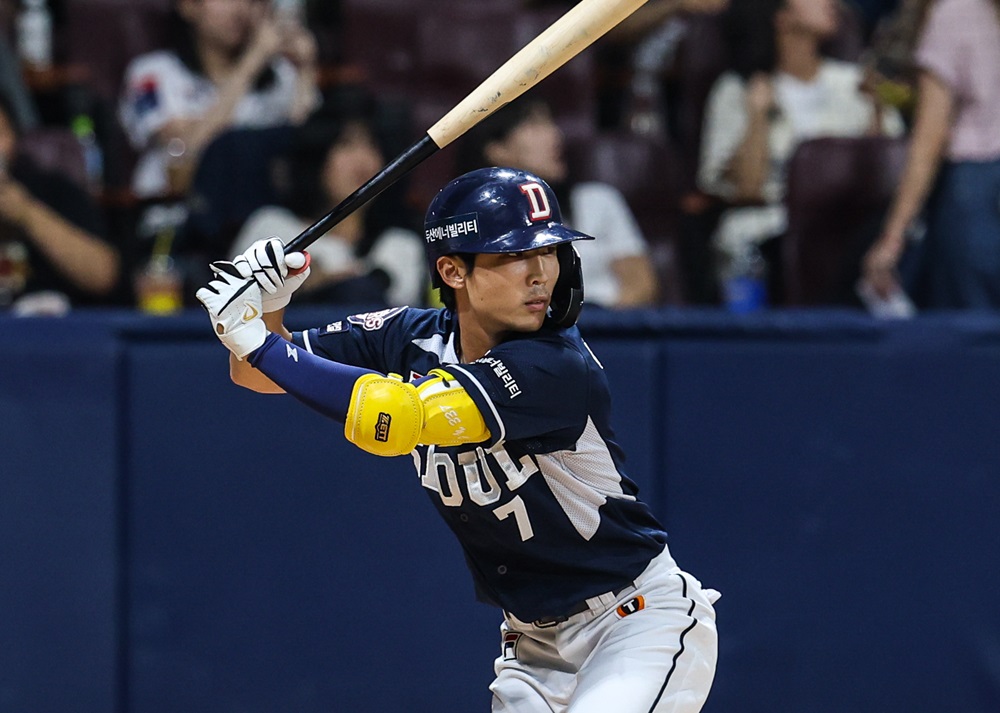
{"x": 389, "y": 417}
{"x": 451, "y": 417}
{"x": 385, "y": 416}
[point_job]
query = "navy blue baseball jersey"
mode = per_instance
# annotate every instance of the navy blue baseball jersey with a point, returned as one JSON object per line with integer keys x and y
{"x": 544, "y": 511}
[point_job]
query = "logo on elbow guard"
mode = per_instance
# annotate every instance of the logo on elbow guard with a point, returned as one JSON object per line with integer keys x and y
{"x": 382, "y": 427}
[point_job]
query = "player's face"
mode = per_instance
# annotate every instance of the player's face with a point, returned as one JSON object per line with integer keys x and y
{"x": 510, "y": 292}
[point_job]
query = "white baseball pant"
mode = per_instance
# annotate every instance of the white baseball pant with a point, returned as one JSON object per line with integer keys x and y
{"x": 652, "y": 648}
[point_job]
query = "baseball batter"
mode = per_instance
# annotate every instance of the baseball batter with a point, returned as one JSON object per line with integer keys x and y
{"x": 505, "y": 411}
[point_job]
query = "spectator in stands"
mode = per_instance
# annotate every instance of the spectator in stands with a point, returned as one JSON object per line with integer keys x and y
{"x": 953, "y": 169}
{"x": 369, "y": 256}
{"x": 651, "y": 37}
{"x": 53, "y": 250}
{"x": 12, "y": 86}
{"x": 617, "y": 268}
{"x": 780, "y": 92}
{"x": 634, "y": 58}
{"x": 234, "y": 63}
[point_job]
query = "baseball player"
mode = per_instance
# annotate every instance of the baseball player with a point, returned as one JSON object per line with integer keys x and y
{"x": 505, "y": 411}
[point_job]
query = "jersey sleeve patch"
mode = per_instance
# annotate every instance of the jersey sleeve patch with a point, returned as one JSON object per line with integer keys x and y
{"x": 372, "y": 321}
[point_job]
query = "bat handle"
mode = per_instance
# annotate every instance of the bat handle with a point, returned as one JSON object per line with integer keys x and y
{"x": 383, "y": 179}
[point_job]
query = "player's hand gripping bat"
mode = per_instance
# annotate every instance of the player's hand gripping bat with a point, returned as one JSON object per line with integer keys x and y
{"x": 563, "y": 40}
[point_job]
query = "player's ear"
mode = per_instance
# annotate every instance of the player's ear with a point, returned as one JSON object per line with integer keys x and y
{"x": 452, "y": 270}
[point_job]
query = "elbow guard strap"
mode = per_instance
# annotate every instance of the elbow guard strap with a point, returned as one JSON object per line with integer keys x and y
{"x": 388, "y": 417}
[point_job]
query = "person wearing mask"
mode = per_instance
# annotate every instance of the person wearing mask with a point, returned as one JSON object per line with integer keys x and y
{"x": 953, "y": 168}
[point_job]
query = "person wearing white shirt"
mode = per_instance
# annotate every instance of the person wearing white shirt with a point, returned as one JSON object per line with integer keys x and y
{"x": 234, "y": 64}
{"x": 368, "y": 256}
{"x": 787, "y": 92}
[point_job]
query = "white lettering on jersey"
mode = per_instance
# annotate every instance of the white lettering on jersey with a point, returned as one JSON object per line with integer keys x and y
{"x": 503, "y": 374}
{"x": 475, "y": 469}
{"x": 516, "y": 477}
{"x": 516, "y": 508}
{"x": 440, "y": 474}
{"x": 540, "y": 208}
{"x": 438, "y": 463}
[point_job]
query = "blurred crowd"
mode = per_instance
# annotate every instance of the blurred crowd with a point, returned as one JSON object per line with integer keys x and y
{"x": 747, "y": 154}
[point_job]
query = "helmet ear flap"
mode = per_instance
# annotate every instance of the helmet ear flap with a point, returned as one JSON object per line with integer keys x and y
{"x": 567, "y": 297}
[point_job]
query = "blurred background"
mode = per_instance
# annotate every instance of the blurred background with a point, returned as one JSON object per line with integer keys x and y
{"x": 793, "y": 290}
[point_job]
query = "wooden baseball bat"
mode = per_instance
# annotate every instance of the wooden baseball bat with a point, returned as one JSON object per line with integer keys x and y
{"x": 560, "y": 42}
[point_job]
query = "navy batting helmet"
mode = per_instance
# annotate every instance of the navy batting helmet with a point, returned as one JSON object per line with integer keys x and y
{"x": 504, "y": 210}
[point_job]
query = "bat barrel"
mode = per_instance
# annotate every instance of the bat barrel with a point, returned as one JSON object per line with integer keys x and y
{"x": 564, "y": 39}
{"x": 395, "y": 170}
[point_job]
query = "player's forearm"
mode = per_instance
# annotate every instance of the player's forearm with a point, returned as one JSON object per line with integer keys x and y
{"x": 321, "y": 384}
{"x": 382, "y": 414}
{"x": 243, "y": 372}
{"x": 275, "y": 322}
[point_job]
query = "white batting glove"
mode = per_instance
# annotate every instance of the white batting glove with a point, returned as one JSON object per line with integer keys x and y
{"x": 274, "y": 271}
{"x": 234, "y": 304}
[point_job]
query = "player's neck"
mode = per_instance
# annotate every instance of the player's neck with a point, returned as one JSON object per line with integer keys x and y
{"x": 473, "y": 339}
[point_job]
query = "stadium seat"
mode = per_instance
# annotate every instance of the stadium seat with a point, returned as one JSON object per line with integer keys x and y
{"x": 838, "y": 188}
{"x": 380, "y": 39}
{"x": 104, "y": 35}
{"x": 648, "y": 174}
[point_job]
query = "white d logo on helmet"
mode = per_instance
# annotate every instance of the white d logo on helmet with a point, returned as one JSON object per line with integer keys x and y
{"x": 540, "y": 208}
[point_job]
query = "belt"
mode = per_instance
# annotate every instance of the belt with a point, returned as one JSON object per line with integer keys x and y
{"x": 579, "y": 608}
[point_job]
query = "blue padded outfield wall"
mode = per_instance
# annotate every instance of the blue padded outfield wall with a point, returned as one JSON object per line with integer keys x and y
{"x": 170, "y": 542}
